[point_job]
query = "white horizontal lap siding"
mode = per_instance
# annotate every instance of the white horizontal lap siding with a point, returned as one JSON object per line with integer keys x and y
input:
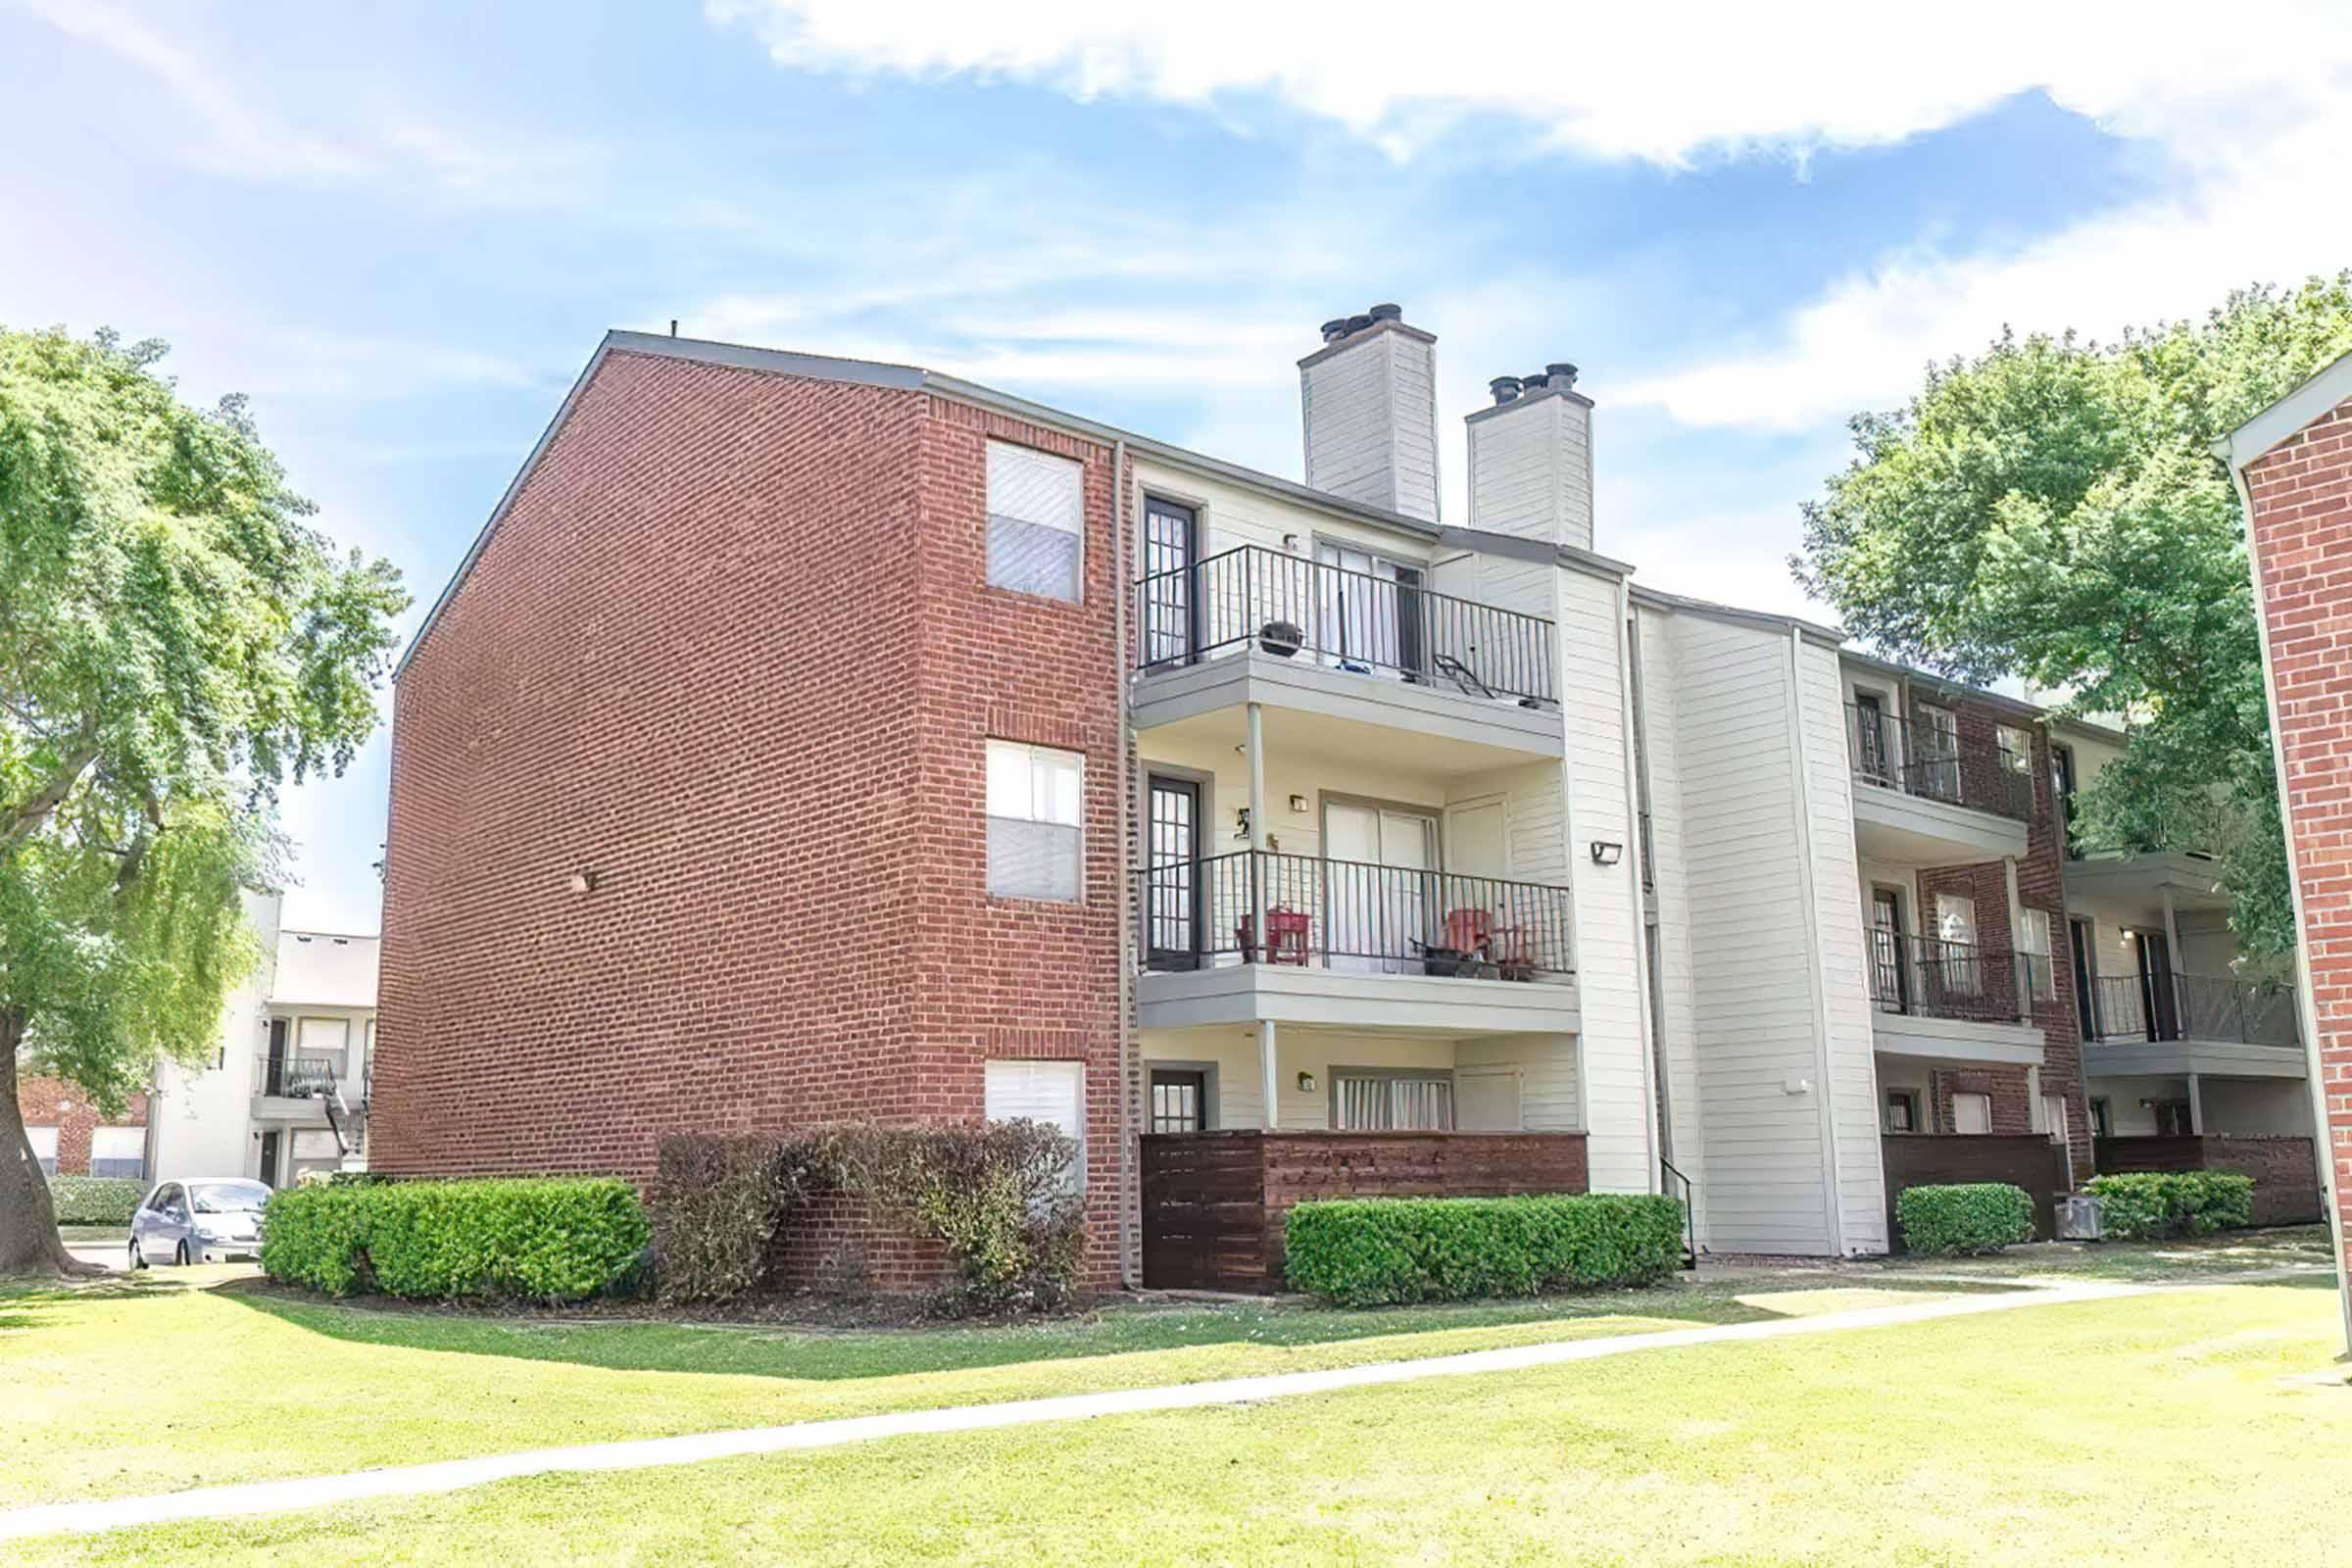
{"x": 1843, "y": 955}
{"x": 1618, "y": 1107}
{"x": 1676, "y": 983}
{"x": 1754, "y": 1021}
{"x": 1548, "y": 1101}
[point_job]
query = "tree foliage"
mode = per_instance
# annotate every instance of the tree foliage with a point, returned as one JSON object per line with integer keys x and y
{"x": 2052, "y": 510}
{"x": 176, "y": 640}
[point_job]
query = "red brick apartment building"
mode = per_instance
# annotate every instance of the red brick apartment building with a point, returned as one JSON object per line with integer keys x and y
{"x": 2293, "y": 467}
{"x": 807, "y": 739}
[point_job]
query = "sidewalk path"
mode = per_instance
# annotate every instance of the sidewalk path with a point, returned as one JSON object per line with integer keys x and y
{"x": 451, "y": 1475}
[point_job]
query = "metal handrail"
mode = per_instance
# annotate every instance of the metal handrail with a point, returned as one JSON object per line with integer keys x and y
{"x": 1916, "y": 759}
{"x": 1256, "y": 905}
{"x": 1689, "y": 1210}
{"x": 2173, "y": 1006}
{"x": 1251, "y": 596}
{"x": 294, "y": 1076}
{"x": 1934, "y": 977}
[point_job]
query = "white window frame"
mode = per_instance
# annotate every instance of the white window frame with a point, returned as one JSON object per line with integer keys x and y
{"x": 2041, "y": 969}
{"x": 1012, "y": 469}
{"x": 1388, "y": 1080}
{"x": 1972, "y": 1097}
{"x": 104, "y": 1141}
{"x": 1007, "y": 1081}
{"x": 45, "y": 1158}
{"x": 2016, "y": 745}
{"x": 2054, "y": 1117}
{"x": 1045, "y": 806}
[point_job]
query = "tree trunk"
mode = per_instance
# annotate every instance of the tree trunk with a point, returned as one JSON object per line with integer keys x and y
{"x": 29, "y": 1238}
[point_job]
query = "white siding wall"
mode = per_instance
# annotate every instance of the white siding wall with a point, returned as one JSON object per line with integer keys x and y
{"x": 202, "y": 1116}
{"x": 1754, "y": 1023}
{"x": 1677, "y": 981}
{"x": 1531, "y": 472}
{"x": 1549, "y": 1101}
{"x": 1619, "y": 1101}
{"x": 1843, "y": 956}
{"x": 1372, "y": 423}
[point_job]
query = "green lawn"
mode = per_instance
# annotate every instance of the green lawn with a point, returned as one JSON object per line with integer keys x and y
{"x": 188, "y": 1378}
{"x": 2194, "y": 1427}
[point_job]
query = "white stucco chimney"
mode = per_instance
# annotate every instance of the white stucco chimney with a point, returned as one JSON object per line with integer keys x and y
{"x": 1531, "y": 459}
{"x": 1370, "y": 398}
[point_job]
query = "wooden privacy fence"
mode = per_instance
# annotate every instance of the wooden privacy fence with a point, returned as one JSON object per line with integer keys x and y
{"x": 2286, "y": 1177}
{"x": 1215, "y": 1202}
{"x": 1936, "y": 1160}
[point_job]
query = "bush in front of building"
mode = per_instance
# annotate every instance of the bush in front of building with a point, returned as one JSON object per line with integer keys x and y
{"x": 1001, "y": 1198}
{"x": 1964, "y": 1219}
{"x": 1373, "y": 1251}
{"x": 2157, "y": 1205}
{"x": 550, "y": 1238}
{"x": 95, "y": 1199}
{"x": 718, "y": 1202}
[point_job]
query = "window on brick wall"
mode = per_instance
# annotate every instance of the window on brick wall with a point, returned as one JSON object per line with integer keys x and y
{"x": 2017, "y": 747}
{"x": 1050, "y": 1092}
{"x": 1035, "y": 821}
{"x": 119, "y": 1152}
{"x": 44, "y": 1147}
{"x": 1972, "y": 1113}
{"x": 2033, "y": 950}
{"x": 1036, "y": 521}
{"x": 2054, "y": 1117}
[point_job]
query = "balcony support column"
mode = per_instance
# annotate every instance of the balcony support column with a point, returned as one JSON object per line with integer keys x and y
{"x": 1269, "y": 1074}
{"x": 2196, "y": 1107}
{"x": 1255, "y": 743}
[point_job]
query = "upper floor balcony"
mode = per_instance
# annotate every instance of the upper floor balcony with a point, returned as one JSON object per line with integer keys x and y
{"x": 1927, "y": 794}
{"x": 1256, "y": 935}
{"x": 2171, "y": 1023}
{"x": 1949, "y": 1001}
{"x": 1369, "y": 647}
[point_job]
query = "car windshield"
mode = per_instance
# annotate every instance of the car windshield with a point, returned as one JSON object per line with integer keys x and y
{"x": 228, "y": 1198}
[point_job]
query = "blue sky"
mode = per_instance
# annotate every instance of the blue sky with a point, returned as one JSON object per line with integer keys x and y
{"x": 400, "y": 231}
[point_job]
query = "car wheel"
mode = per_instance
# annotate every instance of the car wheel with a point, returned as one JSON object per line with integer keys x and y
{"x": 138, "y": 1259}
{"x": 180, "y": 1257}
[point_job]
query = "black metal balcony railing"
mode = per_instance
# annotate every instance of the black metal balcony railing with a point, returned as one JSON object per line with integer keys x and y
{"x": 1934, "y": 762}
{"x": 295, "y": 1077}
{"x": 1362, "y": 621}
{"x": 1930, "y": 977}
{"x": 1255, "y": 907}
{"x": 2128, "y": 1008}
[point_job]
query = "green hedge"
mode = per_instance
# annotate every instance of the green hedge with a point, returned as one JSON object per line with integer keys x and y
{"x": 2152, "y": 1205}
{"x": 557, "y": 1238}
{"x": 95, "y": 1199}
{"x": 1373, "y": 1250}
{"x": 1967, "y": 1218}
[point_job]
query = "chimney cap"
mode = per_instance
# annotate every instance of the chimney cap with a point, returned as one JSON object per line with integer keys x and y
{"x": 1335, "y": 327}
{"x": 1562, "y": 373}
{"x": 1388, "y": 313}
{"x": 1505, "y": 389}
{"x": 1356, "y": 323}
{"x": 1535, "y": 382}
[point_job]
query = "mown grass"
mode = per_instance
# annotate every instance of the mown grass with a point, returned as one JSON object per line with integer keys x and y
{"x": 2192, "y": 1427}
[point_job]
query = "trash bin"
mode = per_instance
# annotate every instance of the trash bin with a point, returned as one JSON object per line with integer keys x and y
{"x": 2080, "y": 1218}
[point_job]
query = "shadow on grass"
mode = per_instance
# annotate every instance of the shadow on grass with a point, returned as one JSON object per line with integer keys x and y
{"x": 784, "y": 1349}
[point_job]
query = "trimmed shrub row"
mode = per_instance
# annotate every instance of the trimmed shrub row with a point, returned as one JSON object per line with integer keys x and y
{"x": 1964, "y": 1219}
{"x": 557, "y": 1238}
{"x": 95, "y": 1199}
{"x": 2155, "y": 1205}
{"x": 1371, "y": 1251}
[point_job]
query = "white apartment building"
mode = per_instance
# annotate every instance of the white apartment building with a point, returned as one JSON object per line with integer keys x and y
{"x": 288, "y": 1090}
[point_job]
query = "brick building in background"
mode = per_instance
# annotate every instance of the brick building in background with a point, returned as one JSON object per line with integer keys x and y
{"x": 2293, "y": 467}
{"x": 807, "y": 739}
{"x": 70, "y": 1137}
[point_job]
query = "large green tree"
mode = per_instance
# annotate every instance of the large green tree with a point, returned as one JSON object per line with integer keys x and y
{"x": 176, "y": 641}
{"x": 2052, "y": 510}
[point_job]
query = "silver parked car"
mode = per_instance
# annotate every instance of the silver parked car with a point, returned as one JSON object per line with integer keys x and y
{"x": 202, "y": 1220}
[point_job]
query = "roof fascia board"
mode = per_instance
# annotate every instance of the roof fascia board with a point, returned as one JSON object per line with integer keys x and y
{"x": 2281, "y": 421}
{"x": 1658, "y": 599}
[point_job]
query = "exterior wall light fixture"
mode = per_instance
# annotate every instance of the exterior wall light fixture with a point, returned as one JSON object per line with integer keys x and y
{"x": 1606, "y": 853}
{"x": 1306, "y": 1082}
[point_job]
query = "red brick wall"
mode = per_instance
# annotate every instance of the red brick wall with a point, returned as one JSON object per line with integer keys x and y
{"x": 2041, "y": 885}
{"x": 54, "y": 1103}
{"x": 2301, "y": 527}
{"x": 730, "y": 654}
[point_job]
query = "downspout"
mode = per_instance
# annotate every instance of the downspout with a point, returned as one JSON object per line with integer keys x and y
{"x": 2324, "y": 1145}
{"x": 1130, "y": 1153}
{"x": 1832, "y": 1177}
{"x": 1653, "y": 1087}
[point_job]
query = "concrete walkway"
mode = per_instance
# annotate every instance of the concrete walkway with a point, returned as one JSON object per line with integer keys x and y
{"x": 451, "y": 1475}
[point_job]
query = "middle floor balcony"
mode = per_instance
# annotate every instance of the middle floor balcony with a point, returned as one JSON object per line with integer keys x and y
{"x": 1256, "y": 936}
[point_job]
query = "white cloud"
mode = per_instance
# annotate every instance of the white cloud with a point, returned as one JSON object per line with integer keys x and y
{"x": 1712, "y": 77}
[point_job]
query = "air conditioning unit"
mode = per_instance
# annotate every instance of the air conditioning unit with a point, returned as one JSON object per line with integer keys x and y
{"x": 2080, "y": 1218}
